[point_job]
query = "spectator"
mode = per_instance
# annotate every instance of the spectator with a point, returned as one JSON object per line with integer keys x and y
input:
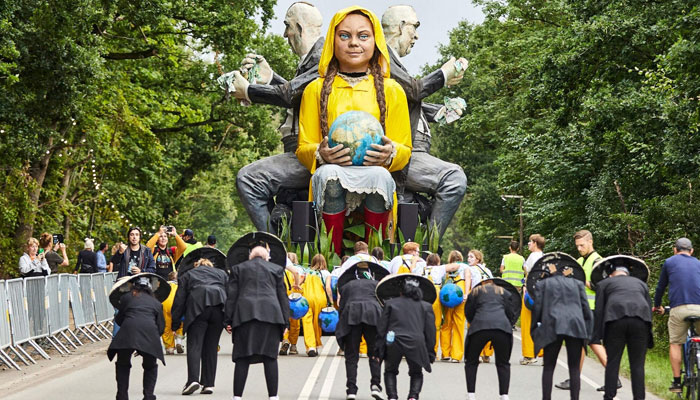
{"x": 87, "y": 259}
{"x": 164, "y": 257}
{"x": 378, "y": 254}
{"x": 116, "y": 258}
{"x": 52, "y": 257}
{"x": 681, "y": 273}
{"x": 31, "y": 263}
{"x": 136, "y": 258}
{"x": 192, "y": 244}
{"x": 211, "y": 241}
{"x": 101, "y": 260}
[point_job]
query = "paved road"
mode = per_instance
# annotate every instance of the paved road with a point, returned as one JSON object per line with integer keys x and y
{"x": 92, "y": 377}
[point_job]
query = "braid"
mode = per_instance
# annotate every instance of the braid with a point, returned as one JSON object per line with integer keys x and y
{"x": 325, "y": 93}
{"x": 376, "y": 70}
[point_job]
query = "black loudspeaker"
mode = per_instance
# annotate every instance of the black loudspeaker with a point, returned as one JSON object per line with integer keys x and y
{"x": 408, "y": 220}
{"x": 303, "y": 222}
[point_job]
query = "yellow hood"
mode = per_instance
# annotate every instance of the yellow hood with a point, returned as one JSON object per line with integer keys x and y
{"x": 380, "y": 41}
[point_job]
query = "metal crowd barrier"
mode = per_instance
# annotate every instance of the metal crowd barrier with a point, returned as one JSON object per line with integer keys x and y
{"x": 37, "y": 304}
{"x": 38, "y": 309}
{"x": 5, "y": 333}
{"x": 100, "y": 294}
{"x": 81, "y": 321}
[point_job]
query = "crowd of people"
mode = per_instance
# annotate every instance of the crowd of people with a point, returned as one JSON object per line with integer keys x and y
{"x": 252, "y": 303}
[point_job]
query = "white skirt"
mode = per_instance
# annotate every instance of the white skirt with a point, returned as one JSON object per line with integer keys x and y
{"x": 358, "y": 181}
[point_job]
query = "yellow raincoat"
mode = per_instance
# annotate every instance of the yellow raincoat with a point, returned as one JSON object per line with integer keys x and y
{"x": 361, "y": 97}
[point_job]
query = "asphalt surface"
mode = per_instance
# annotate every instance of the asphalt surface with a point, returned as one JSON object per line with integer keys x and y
{"x": 87, "y": 374}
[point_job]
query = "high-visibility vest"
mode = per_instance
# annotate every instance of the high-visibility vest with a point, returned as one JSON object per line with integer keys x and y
{"x": 587, "y": 264}
{"x": 513, "y": 271}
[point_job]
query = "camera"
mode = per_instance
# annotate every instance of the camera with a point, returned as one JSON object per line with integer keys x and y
{"x": 57, "y": 238}
{"x": 170, "y": 229}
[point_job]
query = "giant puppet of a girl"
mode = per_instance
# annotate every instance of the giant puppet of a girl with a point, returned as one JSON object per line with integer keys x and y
{"x": 354, "y": 76}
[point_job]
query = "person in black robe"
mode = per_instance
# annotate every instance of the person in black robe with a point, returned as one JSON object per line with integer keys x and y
{"x": 406, "y": 329}
{"x": 561, "y": 314}
{"x": 359, "y": 312}
{"x": 490, "y": 315}
{"x": 141, "y": 324}
{"x": 257, "y": 315}
{"x": 623, "y": 318}
{"x": 200, "y": 299}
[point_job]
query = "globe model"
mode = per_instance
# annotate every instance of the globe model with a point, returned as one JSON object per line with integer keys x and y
{"x": 356, "y": 130}
{"x": 298, "y": 305}
{"x": 451, "y": 295}
{"x": 328, "y": 318}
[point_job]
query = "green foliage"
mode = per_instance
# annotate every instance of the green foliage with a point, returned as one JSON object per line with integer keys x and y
{"x": 110, "y": 116}
{"x": 590, "y": 110}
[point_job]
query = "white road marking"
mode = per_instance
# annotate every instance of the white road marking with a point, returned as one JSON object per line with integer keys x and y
{"x": 330, "y": 376}
{"x": 315, "y": 372}
{"x": 563, "y": 364}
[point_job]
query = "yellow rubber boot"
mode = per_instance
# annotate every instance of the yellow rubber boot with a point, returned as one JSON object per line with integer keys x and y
{"x": 437, "y": 310}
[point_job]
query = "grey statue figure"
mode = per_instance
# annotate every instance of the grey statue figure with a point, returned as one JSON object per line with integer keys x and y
{"x": 445, "y": 181}
{"x": 260, "y": 181}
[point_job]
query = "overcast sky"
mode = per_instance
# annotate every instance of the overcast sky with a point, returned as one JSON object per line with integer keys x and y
{"x": 436, "y": 18}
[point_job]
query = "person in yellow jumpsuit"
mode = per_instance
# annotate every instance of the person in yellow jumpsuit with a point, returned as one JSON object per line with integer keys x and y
{"x": 452, "y": 331}
{"x": 292, "y": 281}
{"x": 354, "y": 76}
{"x": 315, "y": 293}
{"x": 168, "y": 335}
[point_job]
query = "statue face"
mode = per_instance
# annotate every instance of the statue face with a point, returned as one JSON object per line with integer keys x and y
{"x": 293, "y": 31}
{"x": 354, "y": 43}
{"x": 400, "y": 24}
{"x": 408, "y": 36}
{"x": 302, "y": 27}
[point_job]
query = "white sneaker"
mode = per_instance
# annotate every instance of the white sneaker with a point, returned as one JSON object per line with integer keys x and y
{"x": 350, "y": 396}
{"x": 471, "y": 396}
{"x": 191, "y": 388}
{"x": 275, "y": 398}
{"x": 207, "y": 390}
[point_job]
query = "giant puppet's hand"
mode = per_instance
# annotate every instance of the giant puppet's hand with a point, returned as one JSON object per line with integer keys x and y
{"x": 382, "y": 153}
{"x": 454, "y": 70}
{"x": 240, "y": 86}
{"x": 264, "y": 70}
{"x": 337, "y": 154}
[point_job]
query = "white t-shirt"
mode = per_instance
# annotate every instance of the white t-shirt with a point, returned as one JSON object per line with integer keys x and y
{"x": 531, "y": 260}
{"x": 407, "y": 260}
{"x": 337, "y": 271}
{"x": 479, "y": 272}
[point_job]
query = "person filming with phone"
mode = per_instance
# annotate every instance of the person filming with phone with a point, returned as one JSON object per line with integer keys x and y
{"x": 52, "y": 244}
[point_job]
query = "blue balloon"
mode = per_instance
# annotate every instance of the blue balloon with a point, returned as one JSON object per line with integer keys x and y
{"x": 451, "y": 295}
{"x": 529, "y": 302}
{"x": 298, "y": 305}
{"x": 334, "y": 287}
{"x": 328, "y": 318}
{"x": 356, "y": 130}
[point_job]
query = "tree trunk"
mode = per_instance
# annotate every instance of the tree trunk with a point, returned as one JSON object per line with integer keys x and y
{"x": 25, "y": 229}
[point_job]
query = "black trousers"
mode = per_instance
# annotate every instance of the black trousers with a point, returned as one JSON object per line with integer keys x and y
{"x": 502, "y": 344}
{"x": 202, "y": 344}
{"x": 352, "y": 356}
{"x": 392, "y": 359}
{"x": 240, "y": 375}
{"x": 634, "y": 333}
{"x": 123, "y": 370}
{"x": 574, "y": 347}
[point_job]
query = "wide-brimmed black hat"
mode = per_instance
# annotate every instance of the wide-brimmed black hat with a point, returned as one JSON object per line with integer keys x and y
{"x": 353, "y": 272}
{"x": 214, "y": 255}
{"x": 158, "y": 284}
{"x": 514, "y": 304}
{"x": 551, "y": 264}
{"x": 240, "y": 250}
{"x": 605, "y": 266}
{"x": 392, "y": 285}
